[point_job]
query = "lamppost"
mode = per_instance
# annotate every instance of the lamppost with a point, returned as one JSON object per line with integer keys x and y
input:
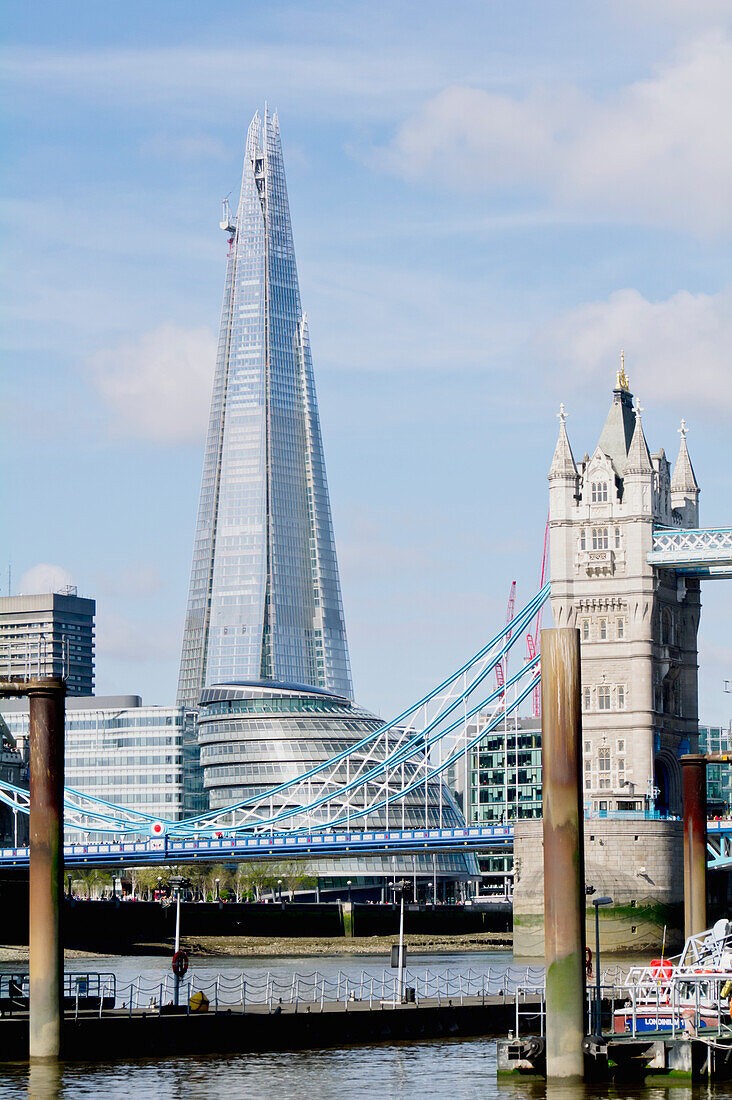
{"x": 597, "y": 902}
{"x": 279, "y": 889}
{"x": 217, "y": 889}
{"x": 68, "y": 880}
{"x": 401, "y": 888}
{"x": 348, "y": 884}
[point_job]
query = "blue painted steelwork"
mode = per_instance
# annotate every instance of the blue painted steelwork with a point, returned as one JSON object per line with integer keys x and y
{"x": 274, "y": 846}
{"x": 694, "y": 552}
{"x": 388, "y": 764}
{"x": 719, "y": 844}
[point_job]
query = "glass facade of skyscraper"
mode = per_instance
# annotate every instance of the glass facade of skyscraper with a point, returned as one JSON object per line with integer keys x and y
{"x": 264, "y": 597}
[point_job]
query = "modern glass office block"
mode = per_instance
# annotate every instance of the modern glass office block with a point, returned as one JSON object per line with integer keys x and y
{"x": 264, "y": 597}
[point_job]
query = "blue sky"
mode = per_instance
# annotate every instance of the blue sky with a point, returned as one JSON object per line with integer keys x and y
{"x": 489, "y": 201}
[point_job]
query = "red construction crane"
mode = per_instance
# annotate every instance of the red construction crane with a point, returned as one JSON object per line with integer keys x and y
{"x": 532, "y": 640}
{"x": 500, "y": 678}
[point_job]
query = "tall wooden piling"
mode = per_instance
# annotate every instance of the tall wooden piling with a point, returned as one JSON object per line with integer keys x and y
{"x": 694, "y": 778}
{"x": 564, "y": 876}
{"x": 46, "y": 741}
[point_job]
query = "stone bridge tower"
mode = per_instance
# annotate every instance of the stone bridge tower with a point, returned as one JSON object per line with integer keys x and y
{"x": 638, "y": 624}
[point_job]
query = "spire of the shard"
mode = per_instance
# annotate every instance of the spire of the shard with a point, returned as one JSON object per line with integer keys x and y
{"x": 264, "y": 597}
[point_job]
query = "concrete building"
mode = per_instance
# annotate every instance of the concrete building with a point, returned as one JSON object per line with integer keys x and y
{"x": 638, "y": 624}
{"x": 49, "y": 634}
{"x": 505, "y": 773}
{"x": 118, "y": 750}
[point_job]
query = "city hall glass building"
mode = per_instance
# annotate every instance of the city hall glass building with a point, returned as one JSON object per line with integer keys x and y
{"x": 264, "y": 598}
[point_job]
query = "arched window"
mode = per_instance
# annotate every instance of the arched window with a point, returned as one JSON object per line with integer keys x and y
{"x": 583, "y": 539}
{"x": 620, "y": 629}
{"x": 587, "y": 702}
{"x": 600, "y": 538}
{"x": 603, "y": 698}
{"x": 617, "y": 538}
{"x": 585, "y": 630}
{"x": 599, "y": 492}
{"x": 603, "y": 630}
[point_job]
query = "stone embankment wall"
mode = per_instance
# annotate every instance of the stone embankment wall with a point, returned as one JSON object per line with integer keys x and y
{"x": 109, "y": 924}
{"x": 639, "y": 864}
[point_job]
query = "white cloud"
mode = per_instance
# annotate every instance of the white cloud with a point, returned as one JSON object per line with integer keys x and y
{"x": 657, "y": 150}
{"x": 44, "y": 578}
{"x": 687, "y": 336}
{"x": 158, "y": 386}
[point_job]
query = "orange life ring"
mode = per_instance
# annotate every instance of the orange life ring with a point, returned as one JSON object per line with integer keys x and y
{"x": 179, "y": 964}
{"x": 661, "y": 970}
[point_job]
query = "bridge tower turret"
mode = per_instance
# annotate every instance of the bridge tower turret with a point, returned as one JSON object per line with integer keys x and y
{"x": 638, "y": 626}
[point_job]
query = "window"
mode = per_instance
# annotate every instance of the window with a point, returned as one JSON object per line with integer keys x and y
{"x": 621, "y": 746}
{"x": 588, "y": 765}
{"x": 621, "y": 766}
{"x": 603, "y": 630}
{"x": 587, "y": 701}
{"x": 604, "y": 760}
{"x": 588, "y": 746}
{"x": 617, "y": 538}
{"x": 599, "y": 492}
{"x": 600, "y": 538}
{"x": 583, "y": 539}
{"x": 603, "y": 700}
{"x": 585, "y": 630}
{"x": 620, "y": 628}
{"x": 621, "y": 697}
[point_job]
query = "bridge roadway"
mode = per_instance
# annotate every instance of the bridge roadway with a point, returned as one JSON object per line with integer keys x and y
{"x": 165, "y": 850}
{"x": 262, "y": 846}
{"x": 694, "y": 552}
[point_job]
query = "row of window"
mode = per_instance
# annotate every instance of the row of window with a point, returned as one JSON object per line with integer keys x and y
{"x": 600, "y": 538}
{"x": 607, "y": 629}
{"x": 604, "y": 696}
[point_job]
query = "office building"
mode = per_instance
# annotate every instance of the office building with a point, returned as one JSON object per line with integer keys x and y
{"x": 118, "y": 749}
{"x": 717, "y": 739}
{"x": 49, "y": 634}
{"x": 264, "y": 598}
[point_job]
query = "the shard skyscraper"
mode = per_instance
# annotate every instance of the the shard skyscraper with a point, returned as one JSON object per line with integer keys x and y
{"x": 264, "y": 599}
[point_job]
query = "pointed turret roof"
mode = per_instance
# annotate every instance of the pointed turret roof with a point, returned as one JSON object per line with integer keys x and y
{"x": 617, "y": 434}
{"x": 639, "y": 457}
{"x": 563, "y": 464}
{"x": 684, "y": 478}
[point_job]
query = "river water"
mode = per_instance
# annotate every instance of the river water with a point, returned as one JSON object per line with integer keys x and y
{"x": 451, "y": 1068}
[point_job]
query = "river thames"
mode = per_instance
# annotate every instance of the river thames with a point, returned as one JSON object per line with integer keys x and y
{"x": 449, "y": 1068}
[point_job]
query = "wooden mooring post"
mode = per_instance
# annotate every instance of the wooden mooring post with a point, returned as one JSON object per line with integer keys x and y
{"x": 564, "y": 875}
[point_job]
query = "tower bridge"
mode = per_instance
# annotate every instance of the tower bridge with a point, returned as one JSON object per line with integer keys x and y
{"x": 627, "y": 558}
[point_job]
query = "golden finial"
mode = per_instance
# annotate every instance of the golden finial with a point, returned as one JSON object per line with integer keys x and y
{"x": 622, "y": 380}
